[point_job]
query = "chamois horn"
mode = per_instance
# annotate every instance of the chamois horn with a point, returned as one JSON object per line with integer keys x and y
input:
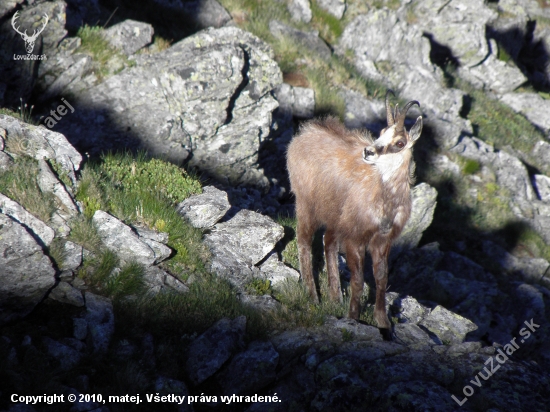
{"x": 400, "y": 122}
{"x": 389, "y": 115}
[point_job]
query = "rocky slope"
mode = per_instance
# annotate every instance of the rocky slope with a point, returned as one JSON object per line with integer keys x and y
{"x": 468, "y": 298}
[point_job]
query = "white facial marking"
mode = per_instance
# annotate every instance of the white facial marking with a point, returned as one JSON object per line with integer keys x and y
{"x": 386, "y": 138}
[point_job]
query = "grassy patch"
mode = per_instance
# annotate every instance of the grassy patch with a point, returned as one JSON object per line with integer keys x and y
{"x": 209, "y": 299}
{"x": 108, "y": 58}
{"x": 19, "y": 183}
{"x": 259, "y": 287}
{"x": 330, "y": 28}
{"x": 141, "y": 190}
{"x": 104, "y": 272}
{"x": 497, "y": 124}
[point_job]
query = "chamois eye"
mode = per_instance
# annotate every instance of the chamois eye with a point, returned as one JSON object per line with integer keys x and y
{"x": 400, "y": 144}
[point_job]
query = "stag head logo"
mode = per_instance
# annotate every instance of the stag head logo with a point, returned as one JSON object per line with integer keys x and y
{"x": 29, "y": 40}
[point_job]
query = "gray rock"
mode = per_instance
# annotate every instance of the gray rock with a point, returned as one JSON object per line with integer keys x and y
{"x": 8, "y": 6}
{"x": 5, "y": 161}
{"x": 277, "y": 272}
{"x": 334, "y": 7}
{"x": 412, "y": 335}
{"x": 542, "y": 186}
{"x": 464, "y": 347}
{"x": 129, "y": 36}
{"x": 251, "y": 370}
{"x": 70, "y": 71}
{"x": 532, "y": 106}
{"x": 541, "y": 154}
{"x": 26, "y": 274}
{"x": 194, "y": 97}
{"x": 72, "y": 256}
{"x": 206, "y": 13}
{"x": 292, "y": 344}
{"x": 48, "y": 182}
{"x": 408, "y": 310}
{"x": 157, "y": 280}
{"x": 447, "y": 326}
{"x": 101, "y": 322}
{"x": 122, "y": 240}
{"x": 241, "y": 242}
{"x": 18, "y": 79}
{"x": 494, "y": 74}
{"x": 67, "y": 357}
{"x": 65, "y": 293}
{"x": 299, "y": 10}
{"x": 310, "y": 39}
{"x": 40, "y": 231}
{"x": 265, "y": 303}
{"x": 459, "y": 25}
{"x": 208, "y": 353}
{"x": 423, "y": 207}
{"x": 510, "y": 171}
{"x": 362, "y": 112}
{"x": 357, "y": 330}
{"x": 152, "y": 234}
{"x": 296, "y": 101}
{"x": 39, "y": 143}
{"x": 206, "y": 209}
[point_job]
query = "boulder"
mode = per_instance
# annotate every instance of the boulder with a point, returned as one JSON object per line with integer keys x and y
{"x": 447, "y": 326}
{"x": 542, "y": 186}
{"x": 300, "y": 10}
{"x": 240, "y": 243}
{"x": 17, "y": 78}
{"x": 158, "y": 281}
{"x": 277, "y": 272}
{"x": 129, "y": 36}
{"x": 126, "y": 243}
{"x": 295, "y": 101}
{"x": 38, "y": 229}
{"x": 494, "y": 74}
{"x": 207, "y": 95}
{"x": 309, "y": 39}
{"x": 27, "y": 273}
{"x": 42, "y": 143}
{"x": 209, "y": 352}
{"x": 205, "y": 209}
{"x": 459, "y": 25}
{"x": 532, "y": 106}
{"x": 251, "y": 370}
{"x": 334, "y": 7}
{"x": 65, "y": 293}
{"x": 423, "y": 206}
{"x": 48, "y": 182}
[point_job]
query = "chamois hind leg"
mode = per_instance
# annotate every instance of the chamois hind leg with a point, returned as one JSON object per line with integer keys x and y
{"x": 331, "y": 255}
{"x": 305, "y": 231}
{"x": 379, "y": 248}
{"x": 355, "y": 258}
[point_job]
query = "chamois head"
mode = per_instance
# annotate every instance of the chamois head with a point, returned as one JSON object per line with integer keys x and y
{"x": 394, "y": 138}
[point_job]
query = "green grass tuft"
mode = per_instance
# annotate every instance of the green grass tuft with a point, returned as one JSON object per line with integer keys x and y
{"x": 141, "y": 190}
{"x": 19, "y": 183}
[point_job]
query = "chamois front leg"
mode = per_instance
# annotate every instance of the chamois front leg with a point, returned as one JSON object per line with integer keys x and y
{"x": 379, "y": 249}
{"x": 355, "y": 260}
{"x": 304, "y": 235}
{"x": 331, "y": 256}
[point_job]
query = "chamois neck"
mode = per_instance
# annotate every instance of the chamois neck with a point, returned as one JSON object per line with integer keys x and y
{"x": 394, "y": 167}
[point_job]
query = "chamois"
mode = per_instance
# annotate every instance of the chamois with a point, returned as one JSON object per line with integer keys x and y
{"x": 359, "y": 190}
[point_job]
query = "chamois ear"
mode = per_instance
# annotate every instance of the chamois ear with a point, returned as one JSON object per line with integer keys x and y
{"x": 415, "y": 131}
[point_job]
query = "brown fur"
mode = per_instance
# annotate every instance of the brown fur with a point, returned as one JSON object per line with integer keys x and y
{"x": 336, "y": 189}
